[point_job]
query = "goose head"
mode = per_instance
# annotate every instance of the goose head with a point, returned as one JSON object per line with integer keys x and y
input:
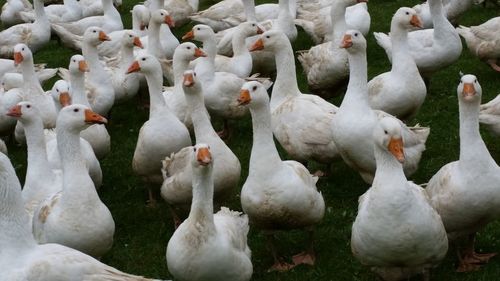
{"x": 25, "y": 112}
{"x": 188, "y": 51}
{"x": 77, "y": 117}
{"x": 407, "y": 18}
{"x": 271, "y": 40}
{"x": 199, "y": 32}
{"x": 253, "y": 94}
{"x": 95, "y": 35}
{"x": 469, "y": 90}
{"x": 202, "y": 157}
{"x": 162, "y": 17}
{"x": 142, "y": 14}
{"x": 60, "y": 93}
{"x": 250, "y": 28}
{"x": 22, "y": 53}
{"x": 11, "y": 80}
{"x": 387, "y": 136}
{"x": 190, "y": 81}
{"x": 78, "y": 65}
{"x": 354, "y": 42}
{"x": 131, "y": 39}
{"x": 145, "y": 63}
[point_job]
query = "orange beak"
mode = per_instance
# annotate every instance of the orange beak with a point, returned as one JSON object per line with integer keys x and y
{"x": 396, "y": 148}
{"x": 15, "y": 111}
{"x": 18, "y": 58}
{"x": 138, "y": 43}
{"x": 169, "y": 21}
{"x": 199, "y": 53}
{"x": 257, "y": 46}
{"x": 188, "y": 80}
{"x": 188, "y": 36}
{"x": 94, "y": 118}
{"x": 259, "y": 30}
{"x": 134, "y": 67}
{"x": 346, "y": 41}
{"x": 103, "y": 36}
{"x": 64, "y": 99}
{"x": 244, "y": 97}
{"x": 82, "y": 66}
{"x": 415, "y": 21}
{"x": 203, "y": 156}
{"x": 469, "y": 90}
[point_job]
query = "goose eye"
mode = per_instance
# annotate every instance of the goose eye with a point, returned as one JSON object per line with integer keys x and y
{"x": 475, "y": 81}
{"x": 385, "y": 132}
{"x": 254, "y": 88}
{"x": 28, "y": 106}
{"x": 198, "y": 28}
{"x": 194, "y": 74}
{"x": 143, "y": 59}
{"x": 76, "y": 110}
{"x": 22, "y": 49}
{"x": 408, "y": 13}
{"x": 57, "y": 90}
{"x": 130, "y": 36}
{"x": 356, "y": 34}
{"x": 74, "y": 60}
{"x": 194, "y": 149}
{"x": 253, "y": 24}
{"x": 189, "y": 48}
{"x": 268, "y": 36}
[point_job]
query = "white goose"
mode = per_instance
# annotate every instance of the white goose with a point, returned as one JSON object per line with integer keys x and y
{"x": 432, "y": 49}
{"x": 92, "y": 8}
{"x": 32, "y": 90}
{"x": 69, "y": 11}
{"x": 177, "y": 170}
{"x": 489, "y": 115}
{"x": 401, "y": 91}
{"x": 109, "y": 22}
{"x": 21, "y": 256}
{"x": 160, "y": 42}
{"x": 277, "y": 195}
{"x": 75, "y": 217}
{"x": 9, "y": 66}
{"x": 35, "y": 34}
{"x": 482, "y": 41}
{"x": 221, "y": 251}
{"x": 11, "y": 9}
{"x": 8, "y": 99}
{"x": 163, "y": 133}
{"x": 354, "y": 122}
{"x": 466, "y": 193}
{"x": 396, "y": 233}
{"x": 453, "y": 9}
{"x": 301, "y": 122}
{"x": 41, "y": 180}
{"x": 326, "y": 65}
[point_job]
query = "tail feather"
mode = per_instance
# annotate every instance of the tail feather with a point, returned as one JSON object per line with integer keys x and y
{"x": 67, "y": 38}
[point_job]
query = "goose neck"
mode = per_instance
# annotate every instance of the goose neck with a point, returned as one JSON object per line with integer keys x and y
{"x": 202, "y": 209}
{"x": 200, "y": 117}
{"x": 402, "y": 61}
{"x": 40, "y": 11}
{"x": 337, "y": 15}
{"x": 37, "y": 152}
{"x": 180, "y": 65}
{"x": 156, "y": 100}
{"x": 194, "y": 4}
{"x": 127, "y": 56}
{"x": 389, "y": 170}
{"x": 239, "y": 46}
{"x": 264, "y": 153}
{"x": 285, "y": 85}
{"x": 29, "y": 76}
{"x": 210, "y": 47}
{"x": 90, "y": 54}
{"x": 77, "y": 82}
{"x": 249, "y": 9}
{"x": 154, "y": 46}
{"x": 136, "y": 22}
{"x": 107, "y": 6}
{"x": 156, "y": 5}
{"x": 356, "y": 96}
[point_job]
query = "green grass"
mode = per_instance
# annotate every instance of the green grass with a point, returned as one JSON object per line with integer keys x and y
{"x": 142, "y": 233}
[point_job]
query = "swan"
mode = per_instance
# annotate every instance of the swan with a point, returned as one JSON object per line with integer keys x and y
{"x": 354, "y": 121}
{"x": 75, "y": 217}
{"x": 466, "y": 193}
{"x": 209, "y": 246}
{"x": 177, "y": 170}
{"x": 277, "y": 195}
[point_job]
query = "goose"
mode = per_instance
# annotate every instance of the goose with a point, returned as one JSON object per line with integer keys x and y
{"x": 326, "y": 65}
{"x": 396, "y": 233}
{"x": 179, "y": 9}
{"x": 21, "y": 257}
{"x": 35, "y": 35}
{"x": 163, "y": 133}
{"x": 11, "y": 9}
{"x": 432, "y": 49}
{"x": 315, "y": 19}
{"x": 96, "y": 135}
{"x": 300, "y": 122}
{"x": 482, "y": 41}
{"x": 452, "y": 9}
{"x": 109, "y": 22}
{"x": 401, "y": 91}
{"x": 465, "y": 193}
{"x": 75, "y": 217}
{"x": 92, "y": 8}
{"x": 8, "y": 99}
{"x": 354, "y": 121}
{"x": 277, "y": 195}
{"x": 41, "y": 180}
{"x": 221, "y": 237}
{"x": 160, "y": 41}
{"x": 69, "y": 11}
{"x": 42, "y": 72}
{"x": 177, "y": 170}
{"x": 32, "y": 90}
{"x": 229, "y": 13}
{"x": 489, "y": 115}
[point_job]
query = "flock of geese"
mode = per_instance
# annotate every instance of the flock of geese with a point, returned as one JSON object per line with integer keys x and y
{"x": 56, "y": 227}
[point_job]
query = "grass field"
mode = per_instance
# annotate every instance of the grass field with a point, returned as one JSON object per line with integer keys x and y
{"x": 142, "y": 233}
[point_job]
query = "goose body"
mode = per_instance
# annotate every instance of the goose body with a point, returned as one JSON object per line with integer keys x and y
{"x": 354, "y": 121}
{"x": 396, "y": 233}
{"x": 453, "y": 10}
{"x": 209, "y": 246}
{"x": 11, "y": 9}
{"x": 69, "y": 11}
{"x": 489, "y": 115}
